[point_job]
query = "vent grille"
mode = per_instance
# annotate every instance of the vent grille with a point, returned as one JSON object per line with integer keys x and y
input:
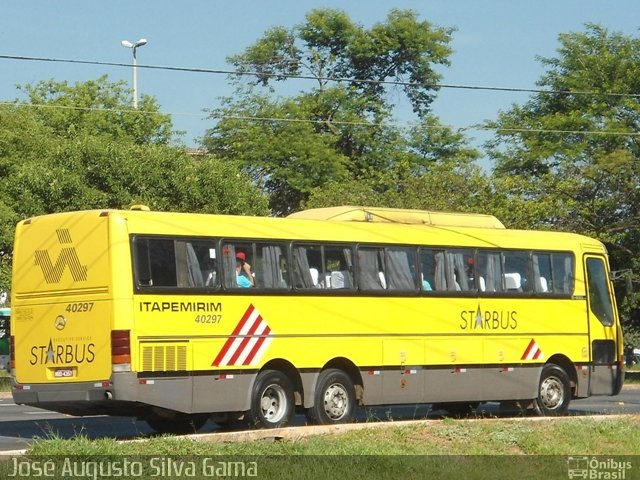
{"x": 164, "y": 358}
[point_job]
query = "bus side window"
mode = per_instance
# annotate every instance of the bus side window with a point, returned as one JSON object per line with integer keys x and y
{"x": 210, "y": 268}
{"x": 460, "y": 270}
{"x": 432, "y": 270}
{"x": 205, "y": 262}
{"x": 243, "y": 265}
{"x": 338, "y": 264}
{"x": 155, "y": 262}
{"x": 400, "y": 268}
{"x": 303, "y": 259}
{"x": 490, "y": 272}
{"x": 229, "y": 259}
{"x": 541, "y": 271}
{"x": 322, "y": 266}
{"x": 370, "y": 273}
{"x": 269, "y": 264}
{"x": 563, "y": 272}
{"x": 194, "y": 273}
{"x": 397, "y": 269}
{"x": 553, "y": 273}
{"x": 142, "y": 262}
{"x": 517, "y": 272}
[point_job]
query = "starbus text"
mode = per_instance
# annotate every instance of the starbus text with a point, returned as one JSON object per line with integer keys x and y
{"x": 62, "y": 354}
{"x": 488, "y": 320}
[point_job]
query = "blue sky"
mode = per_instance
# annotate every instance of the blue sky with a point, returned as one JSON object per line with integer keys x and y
{"x": 496, "y": 44}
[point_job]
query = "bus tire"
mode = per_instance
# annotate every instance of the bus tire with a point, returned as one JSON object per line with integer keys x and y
{"x": 271, "y": 400}
{"x": 179, "y": 423}
{"x": 334, "y": 399}
{"x": 554, "y": 392}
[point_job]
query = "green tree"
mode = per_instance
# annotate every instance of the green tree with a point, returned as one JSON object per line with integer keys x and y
{"x": 446, "y": 186}
{"x": 572, "y": 150}
{"x": 340, "y": 130}
{"x": 83, "y": 147}
{"x": 97, "y": 107}
{"x": 286, "y": 157}
{"x": 330, "y": 45}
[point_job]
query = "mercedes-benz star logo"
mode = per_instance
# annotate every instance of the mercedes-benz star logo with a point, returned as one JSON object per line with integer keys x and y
{"x": 60, "y": 322}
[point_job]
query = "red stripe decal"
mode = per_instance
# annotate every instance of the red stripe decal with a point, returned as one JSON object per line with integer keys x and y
{"x": 233, "y": 336}
{"x": 257, "y": 346}
{"x": 245, "y": 340}
{"x": 528, "y": 350}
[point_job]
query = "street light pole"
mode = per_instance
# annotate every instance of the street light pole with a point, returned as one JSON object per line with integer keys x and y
{"x": 134, "y": 64}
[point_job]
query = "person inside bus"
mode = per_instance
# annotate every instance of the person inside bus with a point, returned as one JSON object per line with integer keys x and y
{"x": 244, "y": 277}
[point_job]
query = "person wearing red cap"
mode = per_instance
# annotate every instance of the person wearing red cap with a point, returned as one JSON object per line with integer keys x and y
{"x": 244, "y": 277}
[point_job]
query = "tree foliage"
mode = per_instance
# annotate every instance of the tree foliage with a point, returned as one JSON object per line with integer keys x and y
{"x": 83, "y": 147}
{"x": 97, "y": 107}
{"x": 331, "y": 46}
{"x": 572, "y": 151}
{"x": 337, "y": 131}
{"x": 460, "y": 187}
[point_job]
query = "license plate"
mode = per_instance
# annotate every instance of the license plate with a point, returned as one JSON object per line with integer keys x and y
{"x": 63, "y": 373}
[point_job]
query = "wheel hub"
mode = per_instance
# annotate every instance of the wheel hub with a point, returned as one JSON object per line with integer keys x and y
{"x": 335, "y": 402}
{"x": 273, "y": 403}
{"x": 551, "y": 393}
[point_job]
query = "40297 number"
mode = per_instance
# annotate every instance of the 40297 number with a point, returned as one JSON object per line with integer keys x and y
{"x": 208, "y": 318}
{"x": 79, "y": 307}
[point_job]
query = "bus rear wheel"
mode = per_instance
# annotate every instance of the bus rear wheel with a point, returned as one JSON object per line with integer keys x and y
{"x": 334, "y": 399}
{"x": 554, "y": 392}
{"x": 271, "y": 400}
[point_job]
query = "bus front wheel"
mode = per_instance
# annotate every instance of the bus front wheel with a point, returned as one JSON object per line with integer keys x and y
{"x": 271, "y": 400}
{"x": 554, "y": 392}
{"x": 334, "y": 399}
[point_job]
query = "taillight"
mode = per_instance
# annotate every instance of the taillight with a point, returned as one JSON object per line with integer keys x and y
{"x": 120, "y": 347}
{"x": 12, "y": 352}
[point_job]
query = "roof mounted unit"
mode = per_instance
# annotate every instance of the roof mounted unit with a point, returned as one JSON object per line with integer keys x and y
{"x": 349, "y": 213}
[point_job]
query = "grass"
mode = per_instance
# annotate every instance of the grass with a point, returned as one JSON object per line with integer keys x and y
{"x": 538, "y": 436}
{"x": 486, "y": 448}
{"x": 5, "y": 381}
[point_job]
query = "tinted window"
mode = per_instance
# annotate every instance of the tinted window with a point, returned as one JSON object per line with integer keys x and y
{"x": 490, "y": 272}
{"x": 460, "y": 270}
{"x": 155, "y": 262}
{"x": 598, "y": 289}
{"x": 387, "y": 268}
{"x": 553, "y": 273}
{"x": 180, "y": 263}
{"x": 255, "y": 264}
{"x": 516, "y": 272}
{"x": 432, "y": 270}
{"x": 322, "y": 266}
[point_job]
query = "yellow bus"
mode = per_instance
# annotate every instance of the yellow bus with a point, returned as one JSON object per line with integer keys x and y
{"x": 176, "y": 318}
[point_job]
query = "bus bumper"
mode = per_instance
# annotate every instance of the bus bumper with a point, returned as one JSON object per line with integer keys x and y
{"x": 71, "y": 398}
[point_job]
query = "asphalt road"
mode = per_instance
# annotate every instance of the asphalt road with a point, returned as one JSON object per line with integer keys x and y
{"x": 20, "y": 425}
